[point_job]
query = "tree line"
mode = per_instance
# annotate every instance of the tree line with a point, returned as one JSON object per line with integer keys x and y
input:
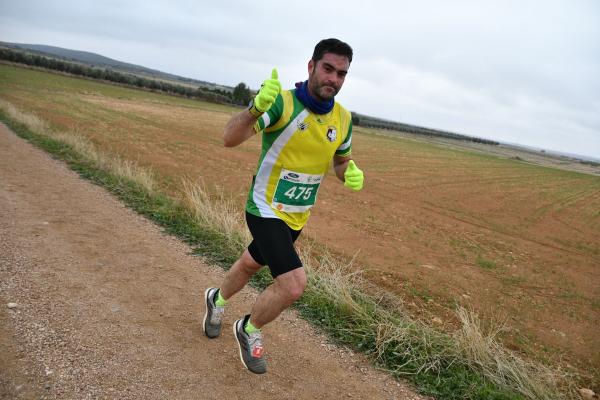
{"x": 371, "y": 122}
{"x": 240, "y": 95}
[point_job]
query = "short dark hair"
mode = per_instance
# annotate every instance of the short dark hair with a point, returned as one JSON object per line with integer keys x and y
{"x": 334, "y": 46}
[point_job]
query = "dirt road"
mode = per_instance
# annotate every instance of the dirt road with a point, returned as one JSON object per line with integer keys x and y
{"x": 107, "y": 306}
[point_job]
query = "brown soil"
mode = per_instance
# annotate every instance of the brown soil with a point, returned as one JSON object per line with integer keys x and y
{"x": 108, "y": 306}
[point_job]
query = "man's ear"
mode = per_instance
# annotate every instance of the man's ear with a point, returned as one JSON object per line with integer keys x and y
{"x": 311, "y": 66}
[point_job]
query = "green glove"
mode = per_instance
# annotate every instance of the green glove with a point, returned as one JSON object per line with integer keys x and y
{"x": 266, "y": 95}
{"x": 353, "y": 177}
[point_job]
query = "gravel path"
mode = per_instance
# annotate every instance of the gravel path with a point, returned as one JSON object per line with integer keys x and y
{"x": 97, "y": 303}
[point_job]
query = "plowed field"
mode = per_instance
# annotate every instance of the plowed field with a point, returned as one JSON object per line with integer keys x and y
{"x": 436, "y": 225}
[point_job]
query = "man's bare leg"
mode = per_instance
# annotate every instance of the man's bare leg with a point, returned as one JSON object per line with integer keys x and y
{"x": 285, "y": 290}
{"x": 236, "y": 278}
{"x": 279, "y": 295}
{"x": 239, "y": 275}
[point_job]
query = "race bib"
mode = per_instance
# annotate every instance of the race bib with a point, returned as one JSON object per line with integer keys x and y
{"x": 295, "y": 192}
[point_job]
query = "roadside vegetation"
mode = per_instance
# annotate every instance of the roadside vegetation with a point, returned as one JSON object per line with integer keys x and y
{"x": 467, "y": 364}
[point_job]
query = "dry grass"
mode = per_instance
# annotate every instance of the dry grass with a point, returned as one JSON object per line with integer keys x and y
{"x": 483, "y": 351}
{"x": 332, "y": 278}
{"x": 31, "y": 121}
{"x": 217, "y": 211}
{"x": 115, "y": 165}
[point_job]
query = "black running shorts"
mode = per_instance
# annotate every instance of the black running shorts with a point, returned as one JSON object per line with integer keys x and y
{"x": 273, "y": 244}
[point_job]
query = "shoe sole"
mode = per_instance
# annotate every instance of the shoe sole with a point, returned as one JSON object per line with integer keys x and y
{"x": 237, "y": 339}
{"x": 205, "y": 312}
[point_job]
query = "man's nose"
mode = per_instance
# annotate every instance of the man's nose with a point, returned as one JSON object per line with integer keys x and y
{"x": 333, "y": 77}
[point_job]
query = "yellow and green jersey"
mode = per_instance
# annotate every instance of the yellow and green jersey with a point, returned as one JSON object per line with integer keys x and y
{"x": 297, "y": 149}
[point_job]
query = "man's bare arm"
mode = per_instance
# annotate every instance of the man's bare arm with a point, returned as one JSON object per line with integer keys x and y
{"x": 239, "y": 129}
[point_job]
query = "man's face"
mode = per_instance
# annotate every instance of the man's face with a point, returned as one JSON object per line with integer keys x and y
{"x": 326, "y": 76}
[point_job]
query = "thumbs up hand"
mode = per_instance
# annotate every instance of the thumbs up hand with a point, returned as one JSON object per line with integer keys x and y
{"x": 353, "y": 177}
{"x": 266, "y": 95}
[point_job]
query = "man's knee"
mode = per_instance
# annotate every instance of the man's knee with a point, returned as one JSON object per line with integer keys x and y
{"x": 293, "y": 283}
{"x": 248, "y": 263}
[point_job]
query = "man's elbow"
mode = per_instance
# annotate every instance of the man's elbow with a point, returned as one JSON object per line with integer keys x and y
{"x": 227, "y": 142}
{"x": 229, "y": 138}
{"x": 235, "y": 138}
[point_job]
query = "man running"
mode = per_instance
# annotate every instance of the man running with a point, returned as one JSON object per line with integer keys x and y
{"x": 303, "y": 130}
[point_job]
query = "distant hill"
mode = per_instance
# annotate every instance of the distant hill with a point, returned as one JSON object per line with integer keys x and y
{"x": 97, "y": 60}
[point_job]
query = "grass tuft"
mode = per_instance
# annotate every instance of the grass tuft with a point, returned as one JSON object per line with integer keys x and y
{"x": 483, "y": 352}
{"x": 485, "y": 264}
{"x": 217, "y": 212}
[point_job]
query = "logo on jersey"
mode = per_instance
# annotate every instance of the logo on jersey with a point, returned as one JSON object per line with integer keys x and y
{"x": 331, "y": 134}
{"x": 290, "y": 176}
{"x": 302, "y": 125}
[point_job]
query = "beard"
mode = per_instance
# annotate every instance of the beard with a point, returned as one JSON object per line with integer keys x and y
{"x": 322, "y": 91}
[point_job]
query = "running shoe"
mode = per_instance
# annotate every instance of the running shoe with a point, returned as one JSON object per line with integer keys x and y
{"x": 214, "y": 314}
{"x": 251, "y": 347}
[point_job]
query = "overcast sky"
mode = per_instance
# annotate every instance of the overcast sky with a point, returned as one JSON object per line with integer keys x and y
{"x": 525, "y": 72}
